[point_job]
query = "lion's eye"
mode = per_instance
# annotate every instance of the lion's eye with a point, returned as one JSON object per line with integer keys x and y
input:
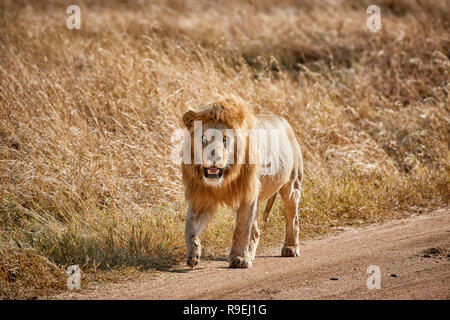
{"x": 204, "y": 140}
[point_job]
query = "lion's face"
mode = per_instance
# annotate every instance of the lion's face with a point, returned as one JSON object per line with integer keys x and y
{"x": 216, "y": 148}
{"x": 223, "y": 164}
{"x": 218, "y": 145}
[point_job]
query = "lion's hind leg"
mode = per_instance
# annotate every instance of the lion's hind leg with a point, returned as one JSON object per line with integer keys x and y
{"x": 290, "y": 194}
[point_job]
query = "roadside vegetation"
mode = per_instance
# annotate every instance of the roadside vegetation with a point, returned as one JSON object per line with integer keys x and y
{"x": 86, "y": 118}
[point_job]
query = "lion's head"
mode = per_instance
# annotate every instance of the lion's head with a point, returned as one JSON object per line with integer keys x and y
{"x": 220, "y": 170}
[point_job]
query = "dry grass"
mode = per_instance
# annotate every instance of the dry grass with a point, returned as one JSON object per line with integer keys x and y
{"x": 86, "y": 117}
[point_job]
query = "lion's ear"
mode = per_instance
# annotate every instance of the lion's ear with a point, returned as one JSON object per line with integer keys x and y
{"x": 188, "y": 118}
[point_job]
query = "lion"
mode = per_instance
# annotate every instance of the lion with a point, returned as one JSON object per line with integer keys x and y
{"x": 239, "y": 180}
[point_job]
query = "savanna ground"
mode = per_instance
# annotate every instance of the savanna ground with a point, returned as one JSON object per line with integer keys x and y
{"x": 86, "y": 118}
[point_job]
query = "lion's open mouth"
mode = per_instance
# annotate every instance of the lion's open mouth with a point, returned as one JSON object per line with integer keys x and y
{"x": 212, "y": 172}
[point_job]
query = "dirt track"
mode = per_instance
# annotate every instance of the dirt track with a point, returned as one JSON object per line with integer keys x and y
{"x": 334, "y": 267}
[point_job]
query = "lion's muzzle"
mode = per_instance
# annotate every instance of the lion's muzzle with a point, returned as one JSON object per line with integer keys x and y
{"x": 212, "y": 172}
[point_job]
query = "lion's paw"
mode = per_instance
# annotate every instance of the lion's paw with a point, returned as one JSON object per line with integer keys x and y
{"x": 194, "y": 252}
{"x": 241, "y": 262}
{"x": 290, "y": 251}
{"x": 192, "y": 261}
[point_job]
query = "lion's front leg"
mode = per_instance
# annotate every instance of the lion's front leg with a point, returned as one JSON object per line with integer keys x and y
{"x": 240, "y": 256}
{"x": 254, "y": 239}
{"x": 195, "y": 223}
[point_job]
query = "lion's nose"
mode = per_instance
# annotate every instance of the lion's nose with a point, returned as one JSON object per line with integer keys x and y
{"x": 215, "y": 156}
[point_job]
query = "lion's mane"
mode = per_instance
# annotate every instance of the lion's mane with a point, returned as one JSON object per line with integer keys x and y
{"x": 241, "y": 183}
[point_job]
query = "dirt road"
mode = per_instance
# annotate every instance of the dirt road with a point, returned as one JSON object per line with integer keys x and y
{"x": 413, "y": 255}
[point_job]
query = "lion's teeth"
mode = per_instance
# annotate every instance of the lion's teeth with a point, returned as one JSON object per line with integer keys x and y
{"x": 212, "y": 171}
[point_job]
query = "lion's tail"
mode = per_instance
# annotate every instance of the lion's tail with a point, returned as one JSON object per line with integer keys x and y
{"x": 269, "y": 206}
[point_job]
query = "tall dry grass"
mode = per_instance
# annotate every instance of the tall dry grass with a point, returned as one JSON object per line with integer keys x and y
{"x": 86, "y": 117}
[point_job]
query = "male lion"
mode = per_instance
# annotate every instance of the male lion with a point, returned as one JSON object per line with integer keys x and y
{"x": 238, "y": 179}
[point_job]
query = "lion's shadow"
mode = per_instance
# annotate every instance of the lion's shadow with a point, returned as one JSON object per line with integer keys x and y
{"x": 185, "y": 269}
